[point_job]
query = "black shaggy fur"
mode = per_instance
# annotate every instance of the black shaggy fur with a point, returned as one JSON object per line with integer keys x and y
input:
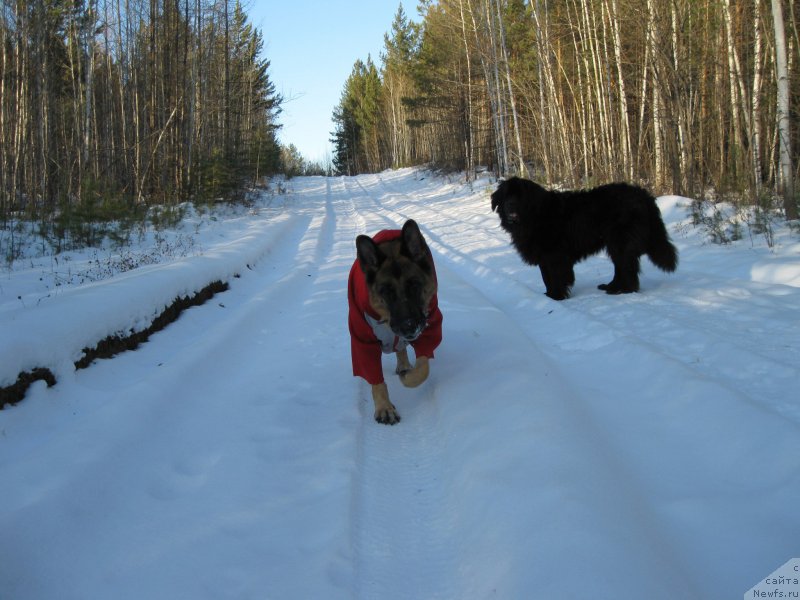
{"x": 555, "y": 230}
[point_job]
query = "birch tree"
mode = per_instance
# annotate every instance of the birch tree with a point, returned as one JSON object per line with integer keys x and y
{"x": 786, "y": 183}
{"x": 755, "y": 95}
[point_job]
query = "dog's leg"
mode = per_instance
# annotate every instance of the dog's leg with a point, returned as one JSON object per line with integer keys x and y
{"x": 418, "y": 374}
{"x": 558, "y": 276}
{"x": 626, "y": 275}
{"x": 403, "y": 364}
{"x": 385, "y": 412}
{"x": 544, "y": 269}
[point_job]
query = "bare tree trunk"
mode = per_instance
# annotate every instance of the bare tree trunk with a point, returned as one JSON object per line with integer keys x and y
{"x": 89, "y": 46}
{"x": 21, "y": 123}
{"x": 552, "y": 110}
{"x": 196, "y": 98}
{"x": 545, "y": 74}
{"x": 540, "y": 112}
{"x": 680, "y": 97}
{"x": 737, "y": 89}
{"x": 598, "y": 77}
{"x": 585, "y": 115}
{"x": 497, "y": 87}
{"x": 625, "y": 134}
{"x": 44, "y": 118}
{"x": 470, "y": 143}
{"x": 494, "y": 106}
{"x": 395, "y": 126}
{"x": 657, "y": 106}
{"x": 783, "y": 122}
{"x": 513, "y": 103}
{"x": 155, "y": 150}
{"x": 226, "y": 110}
{"x": 755, "y": 111}
{"x": 649, "y": 36}
{"x": 5, "y": 199}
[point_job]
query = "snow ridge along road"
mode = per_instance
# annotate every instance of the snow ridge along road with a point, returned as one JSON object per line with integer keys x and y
{"x": 628, "y": 447}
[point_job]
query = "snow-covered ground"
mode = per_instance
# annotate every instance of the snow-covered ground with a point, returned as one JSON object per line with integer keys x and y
{"x": 639, "y": 446}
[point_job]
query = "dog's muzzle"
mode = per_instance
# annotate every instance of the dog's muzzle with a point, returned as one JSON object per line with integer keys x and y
{"x": 410, "y": 329}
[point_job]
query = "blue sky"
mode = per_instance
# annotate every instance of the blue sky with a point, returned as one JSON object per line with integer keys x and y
{"x": 312, "y": 47}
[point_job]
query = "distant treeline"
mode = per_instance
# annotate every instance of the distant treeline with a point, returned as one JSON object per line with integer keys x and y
{"x": 107, "y": 104}
{"x": 686, "y": 96}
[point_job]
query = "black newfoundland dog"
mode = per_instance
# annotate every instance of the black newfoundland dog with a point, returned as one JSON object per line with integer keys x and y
{"x": 555, "y": 230}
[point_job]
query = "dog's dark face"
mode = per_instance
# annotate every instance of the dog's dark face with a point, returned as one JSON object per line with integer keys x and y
{"x": 512, "y": 197}
{"x": 506, "y": 203}
{"x": 400, "y": 279}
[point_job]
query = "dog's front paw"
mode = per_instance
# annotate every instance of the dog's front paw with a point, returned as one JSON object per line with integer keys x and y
{"x": 387, "y": 415}
{"x": 385, "y": 412}
{"x": 558, "y": 294}
{"x": 417, "y": 375}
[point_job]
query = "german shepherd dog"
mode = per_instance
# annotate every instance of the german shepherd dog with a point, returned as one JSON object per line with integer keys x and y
{"x": 392, "y": 298}
{"x": 555, "y": 230}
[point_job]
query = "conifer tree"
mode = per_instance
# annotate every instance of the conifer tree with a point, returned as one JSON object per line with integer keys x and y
{"x": 357, "y": 119}
{"x": 400, "y": 46}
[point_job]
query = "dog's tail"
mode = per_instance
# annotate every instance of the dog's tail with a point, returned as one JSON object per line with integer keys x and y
{"x": 660, "y": 249}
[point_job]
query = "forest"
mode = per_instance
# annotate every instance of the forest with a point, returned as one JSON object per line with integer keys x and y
{"x": 110, "y": 106}
{"x": 691, "y": 97}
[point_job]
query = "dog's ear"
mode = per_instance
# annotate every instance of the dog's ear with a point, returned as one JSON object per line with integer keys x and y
{"x": 413, "y": 242}
{"x": 498, "y": 197}
{"x": 369, "y": 255}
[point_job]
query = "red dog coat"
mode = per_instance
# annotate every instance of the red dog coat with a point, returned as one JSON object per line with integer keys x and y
{"x": 369, "y": 337}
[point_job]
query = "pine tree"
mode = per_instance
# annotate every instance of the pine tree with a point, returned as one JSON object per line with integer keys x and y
{"x": 357, "y": 119}
{"x": 400, "y": 46}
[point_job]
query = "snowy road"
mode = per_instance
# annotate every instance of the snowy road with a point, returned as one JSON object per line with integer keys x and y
{"x": 642, "y": 446}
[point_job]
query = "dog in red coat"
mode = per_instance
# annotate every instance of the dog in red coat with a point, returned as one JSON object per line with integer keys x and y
{"x": 393, "y": 304}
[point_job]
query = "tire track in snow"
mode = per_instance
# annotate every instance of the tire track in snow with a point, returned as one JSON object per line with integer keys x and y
{"x": 287, "y": 270}
{"x": 402, "y": 542}
{"x": 203, "y": 481}
{"x": 402, "y": 529}
{"x": 615, "y": 481}
{"x": 634, "y": 513}
{"x": 592, "y": 358}
{"x": 251, "y": 465}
